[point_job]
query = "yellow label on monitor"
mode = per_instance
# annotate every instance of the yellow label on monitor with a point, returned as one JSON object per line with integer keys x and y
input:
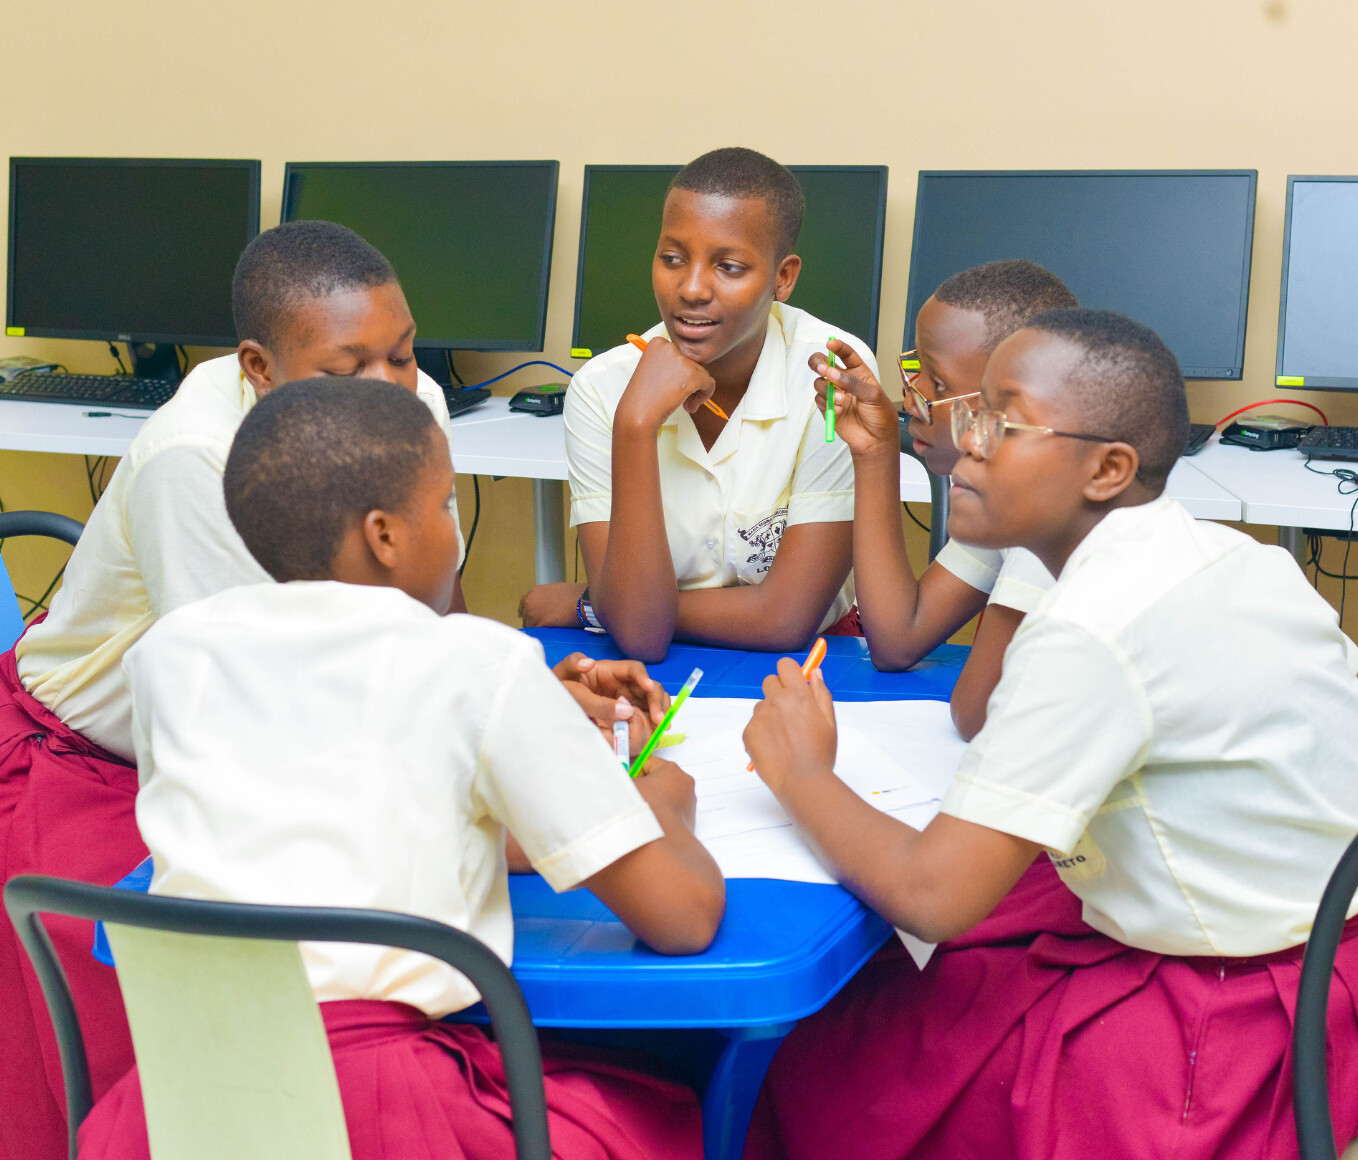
{"x": 1291, "y": 381}
{"x": 581, "y": 352}
{"x": 14, "y": 332}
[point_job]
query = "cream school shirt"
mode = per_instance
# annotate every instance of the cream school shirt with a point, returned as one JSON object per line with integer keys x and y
{"x": 158, "y": 538}
{"x": 326, "y": 744}
{"x": 725, "y": 509}
{"x": 1176, "y": 721}
{"x": 1013, "y": 577}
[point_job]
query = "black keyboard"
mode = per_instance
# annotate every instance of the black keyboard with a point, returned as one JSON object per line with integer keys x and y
{"x": 1330, "y": 443}
{"x": 1198, "y": 434}
{"x": 92, "y": 390}
{"x": 463, "y": 399}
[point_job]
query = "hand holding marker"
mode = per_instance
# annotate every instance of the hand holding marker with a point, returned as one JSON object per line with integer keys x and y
{"x": 829, "y": 408}
{"x": 809, "y": 666}
{"x": 640, "y": 343}
{"x": 689, "y": 685}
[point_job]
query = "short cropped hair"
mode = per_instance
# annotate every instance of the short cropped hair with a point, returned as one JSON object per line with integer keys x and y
{"x": 1006, "y": 294}
{"x": 295, "y": 263}
{"x": 743, "y": 173}
{"x": 1129, "y": 383}
{"x": 315, "y": 455}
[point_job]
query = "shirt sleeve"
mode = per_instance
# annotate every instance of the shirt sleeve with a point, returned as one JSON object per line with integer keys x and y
{"x": 1022, "y": 582}
{"x": 181, "y": 536}
{"x": 547, "y": 774}
{"x": 431, "y": 395}
{"x": 979, "y": 567}
{"x": 1066, "y": 723}
{"x": 589, "y": 452}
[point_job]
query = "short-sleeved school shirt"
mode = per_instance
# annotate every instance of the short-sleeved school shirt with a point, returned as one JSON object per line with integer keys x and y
{"x": 326, "y": 744}
{"x": 1013, "y": 577}
{"x": 725, "y": 509}
{"x": 1176, "y": 722}
{"x": 158, "y": 538}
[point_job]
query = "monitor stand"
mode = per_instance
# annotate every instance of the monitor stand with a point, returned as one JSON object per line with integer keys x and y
{"x": 433, "y": 360}
{"x": 155, "y": 360}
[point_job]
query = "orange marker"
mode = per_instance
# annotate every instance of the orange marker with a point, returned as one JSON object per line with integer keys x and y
{"x": 809, "y": 666}
{"x": 640, "y": 343}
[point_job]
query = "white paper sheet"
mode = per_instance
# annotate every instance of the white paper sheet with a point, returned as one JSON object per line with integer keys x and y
{"x": 897, "y": 755}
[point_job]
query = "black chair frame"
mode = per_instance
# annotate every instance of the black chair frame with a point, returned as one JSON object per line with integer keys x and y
{"x": 32, "y": 523}
{"x": 29, "y": 896}
{"x": 1310, "y": 1079}
{"x": 938, "y": 496}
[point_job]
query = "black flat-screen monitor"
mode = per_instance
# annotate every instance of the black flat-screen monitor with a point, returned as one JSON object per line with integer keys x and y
{"x": 127, "y": 249}
{"x": 840, "y": 247}
{"x": 471, "y": 241}
{"x": 1317, "y": 335}
{"x": 1169, "y": 248}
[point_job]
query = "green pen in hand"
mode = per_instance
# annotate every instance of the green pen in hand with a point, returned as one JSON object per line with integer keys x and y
{"x": 830, "y": 400}
{"x": 689, "y": 685}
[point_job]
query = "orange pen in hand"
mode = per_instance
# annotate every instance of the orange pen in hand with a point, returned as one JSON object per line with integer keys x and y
{"x": 640, "y": 343}
{"x": 809, "y": 666}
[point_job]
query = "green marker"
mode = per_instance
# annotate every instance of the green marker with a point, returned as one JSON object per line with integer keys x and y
{"x": 830, "y": 401}
{"x": 689, "y": 685}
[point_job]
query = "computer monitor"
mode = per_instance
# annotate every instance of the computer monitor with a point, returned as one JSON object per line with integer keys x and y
{"x": 470, "y": 240}
{"x": 1317, "y": 339}
{"x": 840, "y": 247}
{"x": 1169, "y": 248}
{"x": 127, "y": 249}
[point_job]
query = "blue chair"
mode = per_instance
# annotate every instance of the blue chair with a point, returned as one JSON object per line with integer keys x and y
{"x": 29, "y": 523}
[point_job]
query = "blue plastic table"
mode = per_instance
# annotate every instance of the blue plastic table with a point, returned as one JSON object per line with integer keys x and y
{"x": 784, "y": 948}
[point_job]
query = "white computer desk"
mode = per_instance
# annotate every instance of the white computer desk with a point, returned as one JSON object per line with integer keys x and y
{"x": 492, "y": 440}
{"x": 1275, "y": 489}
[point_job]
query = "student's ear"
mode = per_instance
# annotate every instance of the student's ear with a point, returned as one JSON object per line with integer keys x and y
{"x": 1114, "y": 472}
{"x": 383, "y": 533}
{"x": 257, "y": 363}
{"x": 788, "y": 270}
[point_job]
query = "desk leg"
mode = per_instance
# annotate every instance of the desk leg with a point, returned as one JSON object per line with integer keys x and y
{"x": 734, "y": 1085}
{"x": 1294, "y": 542}
{"x": 549, "y": 536}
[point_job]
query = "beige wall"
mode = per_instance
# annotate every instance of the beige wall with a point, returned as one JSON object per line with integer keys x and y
{"x": 950, "y": 84}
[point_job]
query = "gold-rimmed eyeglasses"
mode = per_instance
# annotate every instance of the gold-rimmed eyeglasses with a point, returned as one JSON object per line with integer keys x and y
{"x": 989, "y": 426}
{"x": 916, "y": 403}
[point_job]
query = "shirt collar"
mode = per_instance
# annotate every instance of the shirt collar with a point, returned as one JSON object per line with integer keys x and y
{"x": 1117, "y": 525}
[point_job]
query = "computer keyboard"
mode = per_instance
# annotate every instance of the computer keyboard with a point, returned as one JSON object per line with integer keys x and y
{"x": 95, "y": 390}
{"x": 1330, "y": 443}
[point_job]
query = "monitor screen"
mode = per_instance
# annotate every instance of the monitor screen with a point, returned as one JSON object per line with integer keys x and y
{"x": 840, "y": 246}
{"x": 127, "y": 249}
{"x": 471, "y": 241}
{"x": 1317, "y": 338}
{"x": 1170, "y": 249}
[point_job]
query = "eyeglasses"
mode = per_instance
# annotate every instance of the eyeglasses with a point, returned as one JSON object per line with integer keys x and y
{"x": 989, "y": 427}
{"x": 915, "y": 402}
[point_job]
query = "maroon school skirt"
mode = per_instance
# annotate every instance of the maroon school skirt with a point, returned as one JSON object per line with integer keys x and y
{"x": 66, "y": 809}
{"x": 416, "y": 1088}
{"x": 1036, "y": 1038}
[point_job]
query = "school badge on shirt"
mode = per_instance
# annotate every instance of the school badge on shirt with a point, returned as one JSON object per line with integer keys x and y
{"x": 764, "y": 538}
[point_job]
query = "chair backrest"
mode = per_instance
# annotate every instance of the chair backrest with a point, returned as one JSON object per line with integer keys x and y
{"x": 166, "y": 980}
{"x": 230, "y": 1047}
{"x": 1310, "y": 1075}
{"x": 27, "y": 523}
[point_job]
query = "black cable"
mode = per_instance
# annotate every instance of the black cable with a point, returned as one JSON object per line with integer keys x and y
{"x": 179, "y": 350}
{"x": 452, "y": 370}
{"x": 1347, "y": 485}
{"x": 113, "y": 350}
{"x": 476, "y": 519}
{"x": 90, "y": 470}
{"x": 919, "y": 523}
{"x": 41, "y": 601}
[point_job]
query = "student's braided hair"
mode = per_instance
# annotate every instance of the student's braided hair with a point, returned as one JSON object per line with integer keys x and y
{"x": 742, "y": 173}
{"x": 1129, "y": 383}
{"x": 296, "y": 263}
{"x": 1006, "y": 294}
{"x": 314, "y": 456}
